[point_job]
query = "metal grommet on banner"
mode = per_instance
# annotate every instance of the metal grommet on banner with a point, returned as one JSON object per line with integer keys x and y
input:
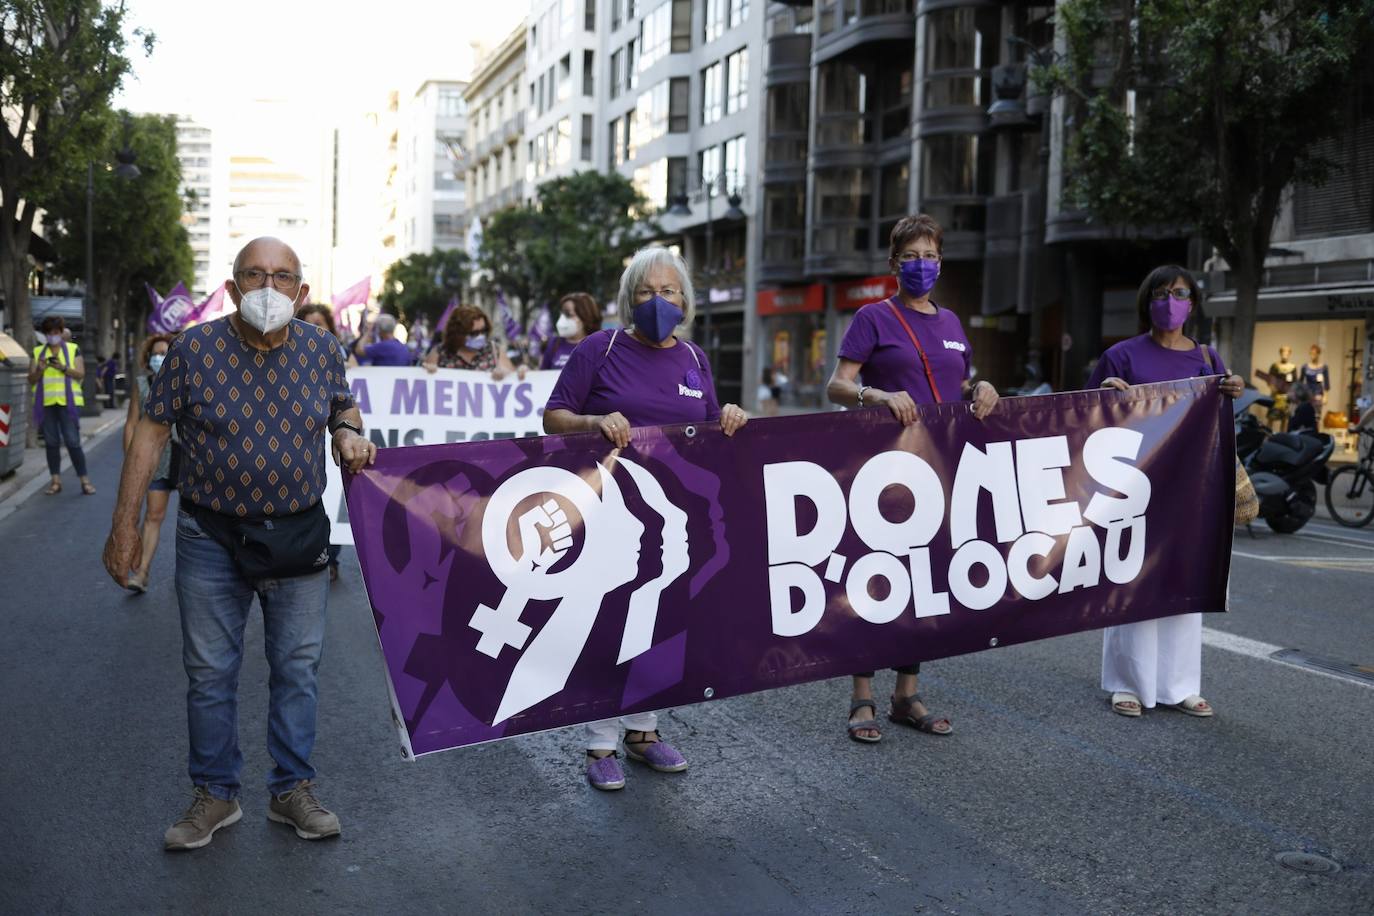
{"x": 992, "y": 643}
{"x": 709, "y": 691}
{"x": 690, "y": 431}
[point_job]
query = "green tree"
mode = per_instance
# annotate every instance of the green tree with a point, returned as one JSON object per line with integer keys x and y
{"x": 575, "y": 237}
{"x": 1230, "y": 97}
{"x": 424, "y": 283}
{"x": 60, "y": 62}
{"x": 139, "y": 236}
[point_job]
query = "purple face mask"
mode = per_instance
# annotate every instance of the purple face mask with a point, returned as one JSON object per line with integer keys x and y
{"x": 918, "y": 277}
{"x": 1168, "y": 314}
{"x": 656, "y": 318}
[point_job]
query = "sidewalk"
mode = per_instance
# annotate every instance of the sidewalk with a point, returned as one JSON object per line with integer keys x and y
{"x": 32, "y": 476}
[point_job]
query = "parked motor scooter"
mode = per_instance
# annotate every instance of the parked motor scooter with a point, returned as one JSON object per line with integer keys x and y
{"x": 1285, "y": 468}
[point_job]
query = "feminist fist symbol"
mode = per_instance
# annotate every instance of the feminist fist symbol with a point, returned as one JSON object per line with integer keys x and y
{"x": 534, "y": 524}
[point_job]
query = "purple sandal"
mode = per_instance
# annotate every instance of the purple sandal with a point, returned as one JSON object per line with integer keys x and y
{"x": 658, "y": 755}
{"x": 604, "y": 773}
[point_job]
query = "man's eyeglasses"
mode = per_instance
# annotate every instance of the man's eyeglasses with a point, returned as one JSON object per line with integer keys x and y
{"x": 644, "y": 294}
{"x": 252, "y": 278}
{"x": 1182, "y": 293}
{"x": 906, "y": 257}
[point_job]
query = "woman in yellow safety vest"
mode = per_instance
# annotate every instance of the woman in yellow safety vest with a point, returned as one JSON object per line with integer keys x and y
{"x": 59, "y": 401}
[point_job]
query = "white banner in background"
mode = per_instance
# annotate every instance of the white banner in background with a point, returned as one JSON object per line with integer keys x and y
{"x": 412, "y": 407}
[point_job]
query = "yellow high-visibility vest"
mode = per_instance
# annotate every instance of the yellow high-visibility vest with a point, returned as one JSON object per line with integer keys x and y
{"x": 54, "y": 382}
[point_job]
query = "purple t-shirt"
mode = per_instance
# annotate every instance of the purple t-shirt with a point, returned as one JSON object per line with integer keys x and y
{"x": 1141, "y": 361}
{"x": 389, "y": 352}
{"x": 877, "y": 339}
{"x": 556, "y": 354}
{"x": 610, "y": 371}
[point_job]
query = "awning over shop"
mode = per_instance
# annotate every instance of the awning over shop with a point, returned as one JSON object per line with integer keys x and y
{"x": 1300, "y": 302}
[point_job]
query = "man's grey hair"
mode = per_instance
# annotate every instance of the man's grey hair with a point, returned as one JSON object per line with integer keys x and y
{"x": 645, "y": 260}
{"x": 386, "y": 324}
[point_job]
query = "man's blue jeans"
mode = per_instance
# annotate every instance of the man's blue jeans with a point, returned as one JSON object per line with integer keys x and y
{"x": 60, "y": 426}
{"x": 215, "y": 599}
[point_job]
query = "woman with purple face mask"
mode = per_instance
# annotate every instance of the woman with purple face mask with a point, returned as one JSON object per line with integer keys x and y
{"x": 898, "y": 353}
{"x": 642, "y": 376}
{"x": 1159, "y": 662}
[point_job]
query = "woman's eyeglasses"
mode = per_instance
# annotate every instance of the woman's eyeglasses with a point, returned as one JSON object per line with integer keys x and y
{"x": 644, "y": 294}
{"x": 1182, "y": 293}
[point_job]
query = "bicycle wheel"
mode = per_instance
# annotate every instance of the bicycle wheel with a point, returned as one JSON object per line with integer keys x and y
{"x": 1350, "y": 496}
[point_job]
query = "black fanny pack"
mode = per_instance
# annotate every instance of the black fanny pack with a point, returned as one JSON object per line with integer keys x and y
{"x": 279, "y": 547}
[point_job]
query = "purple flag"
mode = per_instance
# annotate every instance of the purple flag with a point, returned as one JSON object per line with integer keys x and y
{"x": 169, "y": 315}
{"x": 508, "y": 322}
{"x": 443, "y": 319}
{"x": 153, "y": 296}
{"x": 526, "y": 584}
{"x": 210, "y": 309}
{"x": 541, "y": 328}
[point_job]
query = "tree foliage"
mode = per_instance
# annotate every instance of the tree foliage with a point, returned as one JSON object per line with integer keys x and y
{"x": 139, "y": 237}
{"x": 575, "y": 237}
{"x": 60, "y": 62}
{"x": 423, "y": 284}
{"x": 1230, "y": 98}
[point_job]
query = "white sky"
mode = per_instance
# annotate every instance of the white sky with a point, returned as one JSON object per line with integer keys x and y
{"x": 332, "y": 59}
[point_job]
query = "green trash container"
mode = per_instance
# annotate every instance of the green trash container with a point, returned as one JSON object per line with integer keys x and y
{"x": 14, "y": 420}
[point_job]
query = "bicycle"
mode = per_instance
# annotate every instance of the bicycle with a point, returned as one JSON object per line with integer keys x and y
{"x": 1350, "y": 491}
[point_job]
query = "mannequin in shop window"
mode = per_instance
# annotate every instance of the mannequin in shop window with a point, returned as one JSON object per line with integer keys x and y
{"x": 1317, "y": 377}
{"x": 1280, "y": 377}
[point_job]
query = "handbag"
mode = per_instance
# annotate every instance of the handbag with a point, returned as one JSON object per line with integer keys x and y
{"x": 1335, "y": 419}
{"x": 1247, "y": 501}
{"x": 279, "y": 547}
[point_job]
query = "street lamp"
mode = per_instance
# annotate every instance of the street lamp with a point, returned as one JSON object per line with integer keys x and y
{"x": 680, "y": 208}
{"x": 90, "y": 385}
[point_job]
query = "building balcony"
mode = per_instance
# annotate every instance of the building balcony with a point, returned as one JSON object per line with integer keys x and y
{"x": 789, "y": 59}
{"x": 846, "y": 26}
{"x": 513, "y": 128}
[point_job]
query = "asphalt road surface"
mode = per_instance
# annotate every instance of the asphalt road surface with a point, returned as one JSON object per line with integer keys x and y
{"x": 1042, "y": 801}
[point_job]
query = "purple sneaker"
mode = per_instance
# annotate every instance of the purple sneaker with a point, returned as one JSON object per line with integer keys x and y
{"x": 659, "y": 755}
{"x": 606, "y": 774}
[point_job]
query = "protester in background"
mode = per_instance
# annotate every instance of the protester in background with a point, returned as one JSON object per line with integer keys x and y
{"x": 420, "y": 339}
{"x": 767, "y": 395}
{"x": 293, "y": 373}
{"x": 617, "y": 380}
{"x": 1304, "y": 416}
{"x": 58, "y": 402}
{"x": 467, "y": 344}
{"x": 109, "y": 368}
{"x": 387, "y": 351}
{"x": 321, "y": 316}
{"x": 164, "y": 481}
{"x": 1159, "y": 661}
{"x": 578, "y": 316}
{"x": 898, "y": 353}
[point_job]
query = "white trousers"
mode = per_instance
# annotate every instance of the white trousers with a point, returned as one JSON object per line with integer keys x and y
{"x": 1159, "y": 661}
{"x": 605, "y": 735}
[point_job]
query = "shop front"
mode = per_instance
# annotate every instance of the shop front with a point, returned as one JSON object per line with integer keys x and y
{"x": 794, "y": 341}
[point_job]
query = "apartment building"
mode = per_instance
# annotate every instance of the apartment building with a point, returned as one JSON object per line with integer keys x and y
{"x": 493, "y": 155}
{"x": 431, "y": 201}
{"x": 204, "y": 187}
{"x": 561, "y": 107}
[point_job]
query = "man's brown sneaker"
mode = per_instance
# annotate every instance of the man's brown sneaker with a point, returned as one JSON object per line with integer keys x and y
{"x": 302, "y": 810}
{"x": 198, "y": 825}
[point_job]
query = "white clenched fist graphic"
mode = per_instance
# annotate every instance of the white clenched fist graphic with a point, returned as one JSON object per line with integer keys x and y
{"x": 547, "y": 518}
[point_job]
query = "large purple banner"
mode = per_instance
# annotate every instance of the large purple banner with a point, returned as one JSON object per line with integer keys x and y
{"x": 527, "y": 584}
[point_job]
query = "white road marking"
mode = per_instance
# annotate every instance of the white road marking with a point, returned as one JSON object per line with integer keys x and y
{"x": 1241, "y": 645}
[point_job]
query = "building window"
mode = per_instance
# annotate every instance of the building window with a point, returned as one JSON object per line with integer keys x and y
{"x": 677, "y": 176}
{"x": 617, "y": 11}
{"x": 451, "y": 103}
{"x": 961, "y": 44}
{"x": 711, "y": 89}
{"x": 894, "y": 185}
{"x": 586, "y": 138}
{"x": 652, "y": 181}
{"x": 844, "y": 208}
{"x": 949, "y": 166}
{"x": 564, "y": 148}
{"x": 714, "y": 20}
{"x": 679, "y": 104}
{"x": 565, "y": 76}
{"x": 651, "y": 114}
{"x": 735, "y": 164}
{"x": 708, "y": 167}
{"x": 739, "y": 11}
{"x": 893, "y": 88}
{"x": 682, "y": 26}
{"x": 617, "y": 71}
{"x": 631, "y": 70}
{"x": 589, "y": 16}
{"x": 588, "y": 73}
{"x": 613, "y": 145}
{"x": 737, "y": 81}
{"x": 655, "y": 32}
{"x": 788, "y": 116}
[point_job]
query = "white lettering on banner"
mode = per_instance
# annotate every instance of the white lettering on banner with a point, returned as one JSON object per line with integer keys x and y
{"x": 1023, "y": 479}
{"x": 409, "y": 406}
{"x": 688, "y": 392}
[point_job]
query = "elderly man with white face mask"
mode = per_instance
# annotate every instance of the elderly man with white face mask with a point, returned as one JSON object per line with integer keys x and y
{"x": 253, "y": 396}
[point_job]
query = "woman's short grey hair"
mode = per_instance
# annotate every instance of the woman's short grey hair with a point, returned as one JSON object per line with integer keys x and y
{"x": 645, "y": 260}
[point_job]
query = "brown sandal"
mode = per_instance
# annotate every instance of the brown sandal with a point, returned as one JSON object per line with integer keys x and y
{"x": 88, "y": 488}
{"x": 864, "y": 725}
{"x": 929, "y": 723}
{"x": 53, "y": 489}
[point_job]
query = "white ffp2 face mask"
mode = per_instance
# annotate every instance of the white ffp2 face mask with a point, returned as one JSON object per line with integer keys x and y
{"x": 266, "y": 309}
{"x": 567, "y": 326}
